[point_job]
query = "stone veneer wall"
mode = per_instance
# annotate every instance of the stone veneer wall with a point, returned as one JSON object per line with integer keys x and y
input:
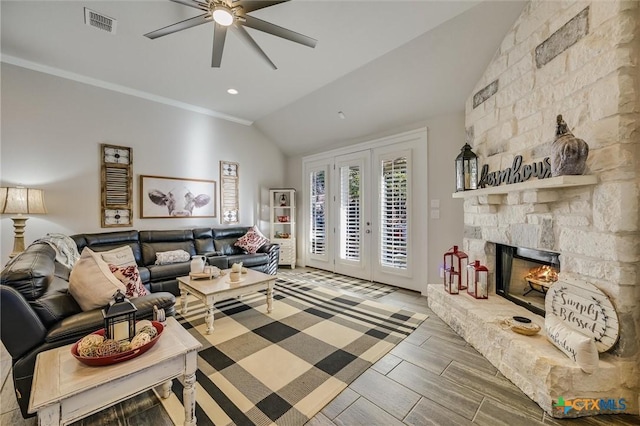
{"x": 578, "y": 59}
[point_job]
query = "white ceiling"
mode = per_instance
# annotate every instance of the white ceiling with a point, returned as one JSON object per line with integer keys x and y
{"x": 384, "y": 63}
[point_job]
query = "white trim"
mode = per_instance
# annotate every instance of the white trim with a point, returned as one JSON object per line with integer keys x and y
{"x": 118, "y": 88}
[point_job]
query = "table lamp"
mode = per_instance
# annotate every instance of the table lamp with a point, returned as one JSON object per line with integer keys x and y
{"x": 19, "y": 201}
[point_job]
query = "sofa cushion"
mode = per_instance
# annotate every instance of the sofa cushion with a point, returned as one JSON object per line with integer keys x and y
{"x": 31, "y": 271}
{"x": 91, "y": 283}
{"x": 173, "y": 256}
{"x": 106, "y": 241}
{"x": 166, "y": 272}
{"x": 130, "y": 277}
{"x": 203, "y": 240}
{"x": 120, "y": 257}
{"x": 252, "y": 240}
{"x": 249, "y": 260}
{"x": 77, "y": 326}
{"x": 227, "y": 247}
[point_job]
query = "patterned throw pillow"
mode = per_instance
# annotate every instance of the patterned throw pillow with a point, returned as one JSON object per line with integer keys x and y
{"x": 173, "y": 256}
{"x": 252, "y": 240}
{"x": 130, "y": 277}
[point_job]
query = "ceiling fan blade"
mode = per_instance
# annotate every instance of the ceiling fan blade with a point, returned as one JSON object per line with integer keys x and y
{"x": 182, "y": 25}
{"x": 250, "y": 6}
{"x": 193, "y": 3}
{"x": 269, "y": 28}
{"x": 219, "y": 35}
{"x": 244, "y": 35}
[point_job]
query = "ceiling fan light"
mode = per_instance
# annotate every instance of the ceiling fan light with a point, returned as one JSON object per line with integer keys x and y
{"x": 223, "y": 16}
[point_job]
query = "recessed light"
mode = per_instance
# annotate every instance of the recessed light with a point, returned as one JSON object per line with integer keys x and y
{"x": 232, "y": 91}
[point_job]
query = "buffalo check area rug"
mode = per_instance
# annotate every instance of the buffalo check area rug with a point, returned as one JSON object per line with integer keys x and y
{"x": 344, "y": 283}
{"x": 283, "y": 368}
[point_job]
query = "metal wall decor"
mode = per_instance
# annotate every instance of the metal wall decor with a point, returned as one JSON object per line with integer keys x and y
{"x": 116, "y": 186}
{"x": 516, "y": 173}
{"x": 229, "y": 197}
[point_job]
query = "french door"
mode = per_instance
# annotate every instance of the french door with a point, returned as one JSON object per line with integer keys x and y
{"x": 359, "y": 215}
{"x": 352, "y": 211}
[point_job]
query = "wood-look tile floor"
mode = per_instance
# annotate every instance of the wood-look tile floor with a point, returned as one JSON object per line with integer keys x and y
{"x": 433, "y": 377}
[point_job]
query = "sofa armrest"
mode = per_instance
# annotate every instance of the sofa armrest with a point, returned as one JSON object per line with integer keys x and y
{"x": 273, "y": 250}
{"x": 21, "y": 329}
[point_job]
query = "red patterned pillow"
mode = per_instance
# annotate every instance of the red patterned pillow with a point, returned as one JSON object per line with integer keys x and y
{"x": 252, "y": 240}
{"x": 130, "y": 277}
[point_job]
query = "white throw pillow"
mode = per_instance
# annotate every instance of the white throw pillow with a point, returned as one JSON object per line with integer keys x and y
{"x": 580, "y": 348}
{"x": 91, "y": 283}
{"x": 173, "y": 256}
{"x": 120, "y": 257}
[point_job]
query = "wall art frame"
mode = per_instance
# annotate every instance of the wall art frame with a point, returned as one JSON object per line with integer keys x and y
{"x": 116, "y": 186}
{"x": 164, "y": 197}
{"x": 229, "y": 192}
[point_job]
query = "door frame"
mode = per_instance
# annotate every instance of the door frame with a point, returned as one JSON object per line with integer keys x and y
{"x": 416, "y": 141}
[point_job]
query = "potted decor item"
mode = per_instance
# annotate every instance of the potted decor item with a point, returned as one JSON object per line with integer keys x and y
{"x": 568, "y": 153}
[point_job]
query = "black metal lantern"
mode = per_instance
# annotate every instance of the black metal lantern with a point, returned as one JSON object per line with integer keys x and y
{"x": 466, "y": 169}
{"x": 120, "y": 319}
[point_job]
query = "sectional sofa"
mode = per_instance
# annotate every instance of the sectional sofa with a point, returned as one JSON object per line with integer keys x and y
{"x": 38, "y": 312}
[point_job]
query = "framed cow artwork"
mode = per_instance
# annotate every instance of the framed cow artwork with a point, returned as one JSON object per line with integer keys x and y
{"x": 167, "y": 197}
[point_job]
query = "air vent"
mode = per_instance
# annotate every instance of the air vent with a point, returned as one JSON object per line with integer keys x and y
{"x": 100, "y": 21}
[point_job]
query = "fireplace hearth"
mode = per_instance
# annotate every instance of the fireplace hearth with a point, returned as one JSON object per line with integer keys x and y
{"x": 523, "y": 275}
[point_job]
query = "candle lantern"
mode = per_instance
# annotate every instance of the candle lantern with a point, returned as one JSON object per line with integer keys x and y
{"x": 451, "y": 280}
{"x": 478, "y": 280}
{"x": 466, "y": 169}
{"x": 459, "y": 260}
{"x": 120, "y": 318}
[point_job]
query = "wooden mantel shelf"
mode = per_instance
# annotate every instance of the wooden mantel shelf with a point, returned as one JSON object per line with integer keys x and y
{"x": 549, "y": 183}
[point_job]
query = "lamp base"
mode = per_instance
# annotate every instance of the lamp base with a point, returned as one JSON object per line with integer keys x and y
{"x": 19, "y": 223}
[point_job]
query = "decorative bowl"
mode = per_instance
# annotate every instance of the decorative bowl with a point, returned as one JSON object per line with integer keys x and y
{"x": 98, "y": 361}
{"x": 283, "y": 218}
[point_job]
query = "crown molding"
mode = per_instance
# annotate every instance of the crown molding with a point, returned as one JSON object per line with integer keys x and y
{"x": 118, "y": 88}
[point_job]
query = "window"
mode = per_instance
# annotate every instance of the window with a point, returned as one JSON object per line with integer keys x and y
{"x": 317, "y": 210}
{"x": 350, "y": 214}
{"x": 394, "y": 213}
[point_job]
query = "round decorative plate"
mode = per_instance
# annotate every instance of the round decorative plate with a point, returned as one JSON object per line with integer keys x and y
{"x": 97, "y": 361}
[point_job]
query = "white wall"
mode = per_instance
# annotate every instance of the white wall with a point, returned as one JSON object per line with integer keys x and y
{"x": 446, "y": 135}
{"x": 50, "y": 137}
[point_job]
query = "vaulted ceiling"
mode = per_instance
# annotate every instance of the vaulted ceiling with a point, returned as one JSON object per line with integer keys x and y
{"x": 384, "y": 64}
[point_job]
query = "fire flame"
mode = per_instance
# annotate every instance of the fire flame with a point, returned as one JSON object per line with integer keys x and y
{"x": 544, "y": 273}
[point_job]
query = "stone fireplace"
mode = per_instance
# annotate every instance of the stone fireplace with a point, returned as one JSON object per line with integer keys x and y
{"x": 580, "y": 59}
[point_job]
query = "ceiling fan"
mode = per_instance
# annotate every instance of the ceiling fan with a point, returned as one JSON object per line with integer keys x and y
{"x": 233, "y": 14}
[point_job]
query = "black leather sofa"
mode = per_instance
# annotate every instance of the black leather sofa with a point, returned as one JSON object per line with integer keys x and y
{"x": 38, "y": 313}
{"x": 216, "y": 243}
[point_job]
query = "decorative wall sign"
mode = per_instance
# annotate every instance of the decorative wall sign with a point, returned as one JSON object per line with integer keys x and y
{"x": 584, "y": 308}
{"x": 116, "y": 186}
{"x": 229, "y": 203}
{"x": 516, "y": 173}
{"x": 166, "y": 197}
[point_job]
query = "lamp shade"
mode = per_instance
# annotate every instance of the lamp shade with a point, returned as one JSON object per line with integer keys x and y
{"x": 20, "y": 200}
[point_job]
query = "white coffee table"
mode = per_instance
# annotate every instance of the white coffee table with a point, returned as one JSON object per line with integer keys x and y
{"x": 65, "y": 390}
{"x": 211, "y": 290}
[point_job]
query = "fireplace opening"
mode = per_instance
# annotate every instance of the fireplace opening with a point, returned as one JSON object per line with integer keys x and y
{"x": 524, "y": 275}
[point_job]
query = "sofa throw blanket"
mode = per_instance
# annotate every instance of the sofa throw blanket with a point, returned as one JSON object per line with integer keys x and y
{"x": 66, "y": 250}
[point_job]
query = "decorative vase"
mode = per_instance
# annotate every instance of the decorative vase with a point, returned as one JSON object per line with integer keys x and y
{"x": 197, "y": 264}
{"x": 568, "y": 153}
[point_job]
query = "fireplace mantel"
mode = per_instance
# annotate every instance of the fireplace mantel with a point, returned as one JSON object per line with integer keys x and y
{"x": 549, "y": 183}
